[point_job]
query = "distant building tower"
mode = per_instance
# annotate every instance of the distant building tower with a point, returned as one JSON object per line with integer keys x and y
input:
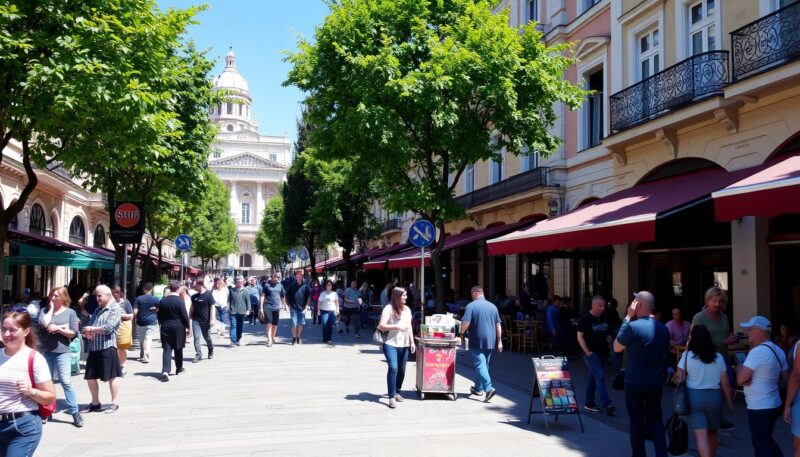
{"x": 250, "y": 164}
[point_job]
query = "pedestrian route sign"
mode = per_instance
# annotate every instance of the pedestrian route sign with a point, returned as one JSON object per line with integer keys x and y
{"x": 292, "y": 255}
{"x": 422, "y": 233}
{"x": 183, "y": 243}
{"x": 303, "y": 254}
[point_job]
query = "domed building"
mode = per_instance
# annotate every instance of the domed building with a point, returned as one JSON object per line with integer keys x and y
{"x": 250, "y": 164}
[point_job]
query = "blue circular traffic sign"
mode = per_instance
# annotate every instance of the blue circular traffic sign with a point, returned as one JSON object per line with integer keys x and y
{"x": 292, "y": 255}
{"x": 303, "y": 254}
{"x": 422, "y": 233}
{"x": 183, "y": 243}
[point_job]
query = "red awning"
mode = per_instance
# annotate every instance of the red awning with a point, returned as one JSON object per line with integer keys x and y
{"x": 623, "y": 217}
{"x": 375, "y": 264}
{"x": 408, "y": 259}
{"x": 772, "y": 191}
{"x": 326, "y": 264}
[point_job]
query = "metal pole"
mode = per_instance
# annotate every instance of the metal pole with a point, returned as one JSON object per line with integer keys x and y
{"x": 422, "y": 284}
{"x": 183, "y": 261}
{"x": 125, "y": 270}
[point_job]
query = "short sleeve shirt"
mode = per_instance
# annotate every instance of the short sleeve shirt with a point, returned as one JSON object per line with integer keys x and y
{"x": 767, "y": 365}
{"x": 351, "y": 297}
{"x": 701, "y": 375}
{"x": 647, "y": 341}
{"x": 56, "y": 342}
{"x": 202, "y": 304}
{"x": 273, "y": 296}
{"x": 719, "y": 329}
{"x": 595, "y": 333}
{"x": 145, "y": 315}
{"x": 483, "y": 318}
{"x": 13, "y": 369}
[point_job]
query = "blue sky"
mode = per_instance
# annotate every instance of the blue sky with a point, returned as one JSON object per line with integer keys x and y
{"x": 259, "y": 31}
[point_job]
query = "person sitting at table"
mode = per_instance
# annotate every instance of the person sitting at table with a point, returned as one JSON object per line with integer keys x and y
{"x": 678, "y": 334}
{"x": 512, "y": 308}
{"x": 785, "y": 339}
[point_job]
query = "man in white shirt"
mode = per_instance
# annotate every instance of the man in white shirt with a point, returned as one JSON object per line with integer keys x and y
{"x": 760, "y": 374}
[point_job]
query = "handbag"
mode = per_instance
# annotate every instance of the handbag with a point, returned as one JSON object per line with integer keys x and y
{"x": 678, "y": 435}
{"x": 680, "y": 397}
{"x": 45, "y": 411}
{"x": 379, "y": 337}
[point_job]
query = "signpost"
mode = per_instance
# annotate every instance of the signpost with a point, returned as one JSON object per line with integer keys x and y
{"x": 422, "y": 234}
{"x": 555, "y": 388}
{"x": 183, "y": 243}
{"x": 127, "y": 227}
{"x": 291, "y": 256}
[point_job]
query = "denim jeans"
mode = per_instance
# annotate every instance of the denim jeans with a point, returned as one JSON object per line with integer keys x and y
{"x": 480, "y": 360}
{"x": 237, "y": 327}
{"x": 60, "y": 362}
{"x": 20, "y": 437}
{"x": 396, "y": 358}
{"x": 199, "y": 330}
{"x": 327, "y": 318}
{"x": 644, "y": 409}
{"x": 597, "y": 378}
{"x": 762, "y": 423}
{"x": 222, "y": 315}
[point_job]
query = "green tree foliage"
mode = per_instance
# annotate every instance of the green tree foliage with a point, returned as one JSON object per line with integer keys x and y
{"x": 269, "y": 239}
{"x": 416, "y": 90}
{"x": 213, "y": 231}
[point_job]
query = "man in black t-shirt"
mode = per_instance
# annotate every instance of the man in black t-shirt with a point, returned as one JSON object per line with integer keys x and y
{"x": 200, "y": 314}
{"x": 593, "y": 340}
{"x": 144, "y": 313}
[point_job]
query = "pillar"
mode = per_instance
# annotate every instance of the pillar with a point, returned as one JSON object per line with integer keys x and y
{"x": 234, "y": 202}
{"x": 750, "y": 268}
{"x": 625, "y": 274}
{"x": 259, "y": 202}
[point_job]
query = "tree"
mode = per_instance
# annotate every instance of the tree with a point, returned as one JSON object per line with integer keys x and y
{"x": 76, "y": 75}
{"x": 417, "y": 90}
{"x": 213, "y": 231}
{"x": 269, "y": 239}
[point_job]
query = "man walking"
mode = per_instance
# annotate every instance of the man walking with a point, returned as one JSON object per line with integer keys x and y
{"x": 352, "y": 302}
{"x": 298, "y": 297}
{"x": 144, "y": 313}
{"x": 200, "y": 314}
{"x": 103, "y": 360}
{"x": 273, "y": 298}
{"x": 647, "y": 341}
{"x": 239, "y": 307}
{"x": 481, "y": 322}
{"x": 255, "y": 292}
{"x": 593, "y": 340}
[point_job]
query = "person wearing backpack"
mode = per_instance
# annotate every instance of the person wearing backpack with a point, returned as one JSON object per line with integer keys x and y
{"x": 760, "y": 374}
{"x": 298, "y": 297}
{"x": 25, "y": 385}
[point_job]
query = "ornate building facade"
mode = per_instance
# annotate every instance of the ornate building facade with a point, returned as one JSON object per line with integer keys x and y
{"x": 250, "y": 164}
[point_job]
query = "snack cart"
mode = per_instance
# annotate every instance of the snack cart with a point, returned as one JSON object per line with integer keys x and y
{"x": 436, "y": 357}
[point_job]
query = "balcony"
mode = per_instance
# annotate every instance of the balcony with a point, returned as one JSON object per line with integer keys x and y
{"x": 391, "y": 225}
{"x": 698, "y": 77}
{"x": 528, "y": 180}
{"x": 771, "y": 41}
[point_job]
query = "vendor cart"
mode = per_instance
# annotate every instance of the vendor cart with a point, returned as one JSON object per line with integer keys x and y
{"x": 436, "y": 367}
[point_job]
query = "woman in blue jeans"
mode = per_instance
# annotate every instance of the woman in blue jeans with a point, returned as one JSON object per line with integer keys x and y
{"x": 399, "y": 342}
{"x": 59, "y": 325}
{"x": 327, "y": 310}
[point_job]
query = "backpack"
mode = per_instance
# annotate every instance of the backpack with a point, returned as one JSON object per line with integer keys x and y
{"x": 301, "y": 297}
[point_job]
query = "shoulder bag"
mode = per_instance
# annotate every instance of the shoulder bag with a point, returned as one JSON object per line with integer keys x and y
{"x": 680, "y": 397}
{"x": 45, "y": 411}
{"x": 678, "y": 435}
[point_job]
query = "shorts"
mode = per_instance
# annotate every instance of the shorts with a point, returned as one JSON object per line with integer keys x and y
{"x": 103, "y": 365}
{"x": 298, "y": 316}
{"x": 272, "y": 317}
{"x": 149, "y": 332}
{"x": 705, "y": 408}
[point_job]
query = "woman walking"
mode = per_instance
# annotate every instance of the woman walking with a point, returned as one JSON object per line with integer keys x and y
{"x": 399, "y": 342}
{"x": 316, "y": 290}
{"x": 59, "y": 326}
{"x": 174, "y": 322}
{"x": 327, "y": 310}
{"x": 705, "y": 372}
{"x": 21, "y": 392}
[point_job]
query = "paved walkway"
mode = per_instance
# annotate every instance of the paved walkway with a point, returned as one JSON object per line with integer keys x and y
{"x": 314, "y": 400}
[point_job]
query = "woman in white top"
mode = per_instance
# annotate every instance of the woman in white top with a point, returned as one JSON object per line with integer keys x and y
{"x": 20, "y": 424}
{"x": 399, "y": 341}
{"x": 327, "y": 310}
{"x": 704, "y": 369}
{"x": 220, "y": 293}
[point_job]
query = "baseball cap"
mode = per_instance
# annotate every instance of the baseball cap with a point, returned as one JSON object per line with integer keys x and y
{"x": 758, "y": 322}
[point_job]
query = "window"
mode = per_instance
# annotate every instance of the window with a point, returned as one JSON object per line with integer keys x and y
{"x": 229, "y": 127}
{"x": 245, "y": 261}
{"x": 54, "y": 225}
{"x": 528, "y": 160}
{"x": 273, "y": 157}
{"x": 702, "y": 27}
{"x": 77, "y": 231}
{"x": 594, "y": 110}
{"x": 245, "y": 213}
{"x": 469, "y": 178}
{"x": 588, "y": 4}
{"x": 229, "y": 108}
{"x": 37, "y": 221}
{"x": 216, "y": 154}
{"x": 99, "y": 237}
{"x": 648, "y": 47}
{"x": 496, "y": 171}
{"x": 533, "y": 10}
{"x": 240, "y": 110}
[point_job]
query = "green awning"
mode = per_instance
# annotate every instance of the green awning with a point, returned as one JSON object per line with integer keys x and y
{"x": 80, "y": 260}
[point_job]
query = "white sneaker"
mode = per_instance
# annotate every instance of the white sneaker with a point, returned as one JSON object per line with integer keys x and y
{"x": 392, "y": 403}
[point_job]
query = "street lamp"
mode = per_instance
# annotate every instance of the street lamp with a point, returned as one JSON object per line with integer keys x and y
{"x": 553, "y": 207}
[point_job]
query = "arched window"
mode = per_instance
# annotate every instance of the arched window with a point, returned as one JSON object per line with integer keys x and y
{"x": 77, "y": 232}
{"x": 99, "y": 237}
{"x": 37, "y": 224}
{"x": 245, "y": 261}
{"x": 229, "y": 108}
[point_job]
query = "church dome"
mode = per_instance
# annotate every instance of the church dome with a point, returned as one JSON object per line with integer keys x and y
{"x": 230, "y": 78}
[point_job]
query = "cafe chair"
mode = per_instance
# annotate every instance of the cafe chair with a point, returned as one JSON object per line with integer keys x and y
{"x": 511, "y": 333}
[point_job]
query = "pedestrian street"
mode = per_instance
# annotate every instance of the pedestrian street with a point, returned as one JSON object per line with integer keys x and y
{"x": 311, "y": 399}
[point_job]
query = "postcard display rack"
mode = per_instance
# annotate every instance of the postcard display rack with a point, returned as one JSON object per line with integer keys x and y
{"x": 553, "y": 385}
{"x": 436, "y": 356}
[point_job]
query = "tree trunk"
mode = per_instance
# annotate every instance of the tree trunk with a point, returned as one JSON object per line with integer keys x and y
{"x": 159, "y": 249}
{"x": 3, "y": 239}
{"x": 436, "y": 263}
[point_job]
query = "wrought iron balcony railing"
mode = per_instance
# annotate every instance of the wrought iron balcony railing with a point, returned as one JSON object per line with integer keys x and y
{"x": 389, "y": 225}
{"x": 698, "y": 77}
{"x": 532, "y": 179}
{"x": 768, "y": 42}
